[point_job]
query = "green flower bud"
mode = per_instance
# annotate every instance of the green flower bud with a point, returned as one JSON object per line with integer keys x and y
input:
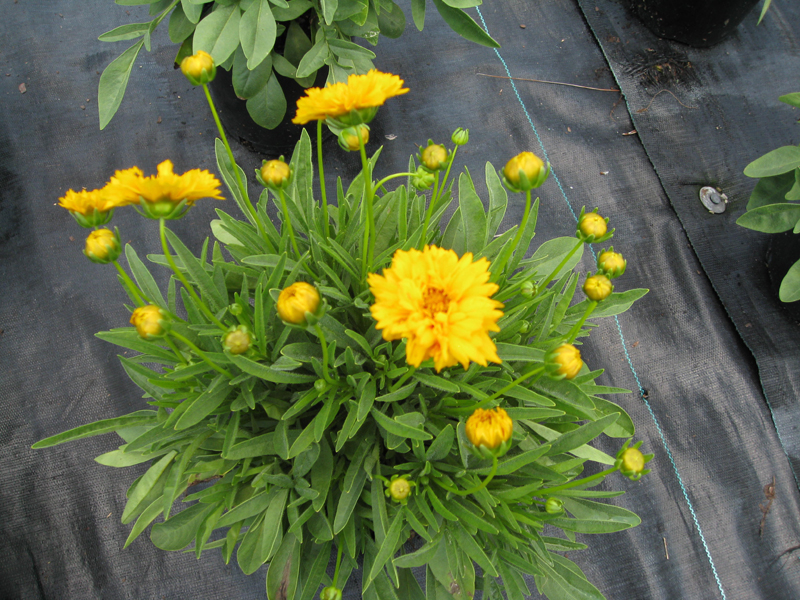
{"x": 460, "y": 136}
{"x": 399, "y": 488}
{"x": 434, "y": 156}
{"x": 274, "y": 174}
{"x": 423, "y": 180}
{"x": 237, "y": 340}
{"x": 611, "y": 263}
{"x": 330, "y": 593}
{"x": 348, "y": 138}
{"x": 524, "y": 172}
{"x": 554, "y": 506}
{"x": 235, "y": 309}
{"x": 631, "y": 462}
{"x": 150, "y": 321}
{"x": 597, "y": 287}
{"x": 592, "y": 228}
{"x": 564, "y": 362}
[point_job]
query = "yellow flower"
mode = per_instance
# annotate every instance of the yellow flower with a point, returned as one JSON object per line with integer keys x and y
{"x": 275, "y": 174}
{"x": 489, "y": 428}
{"x": 566, "y": 360}
{"x": 199, "y": 68}
{"x": 440, "y": 304}
{"x": 102, "y": 246}
{"x": 296, "y": 300}
{"x": 150, "y": 321}
{"x": 160, "y": 195}
{"x": 362, "y": 94}
{"x": 597, "y": 287}
{"x": 86, "y": 202}
{"x": 592, "y": 225}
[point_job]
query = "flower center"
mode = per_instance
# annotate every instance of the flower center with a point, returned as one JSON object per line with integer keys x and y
{"x": 435, "y": 300}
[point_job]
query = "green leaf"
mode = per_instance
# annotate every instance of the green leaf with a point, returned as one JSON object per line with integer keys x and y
{"x": 206, "y": 403}
{"x": 392, "y": 22}
{"x": 261, "y": 445}
{"x": 257, "y": 32}
{"x": 144, "y": 485}
{"x": 247, "y": 83}
{"x": 144, "y": 278}
{"x": 266, "y": 373}
{"x": 473, "y": 215}
{"x": 550, "y": 254}
{"x": 595, "y": 517}
{"x": 764, "y": 10}
{"x": 193, "y": 9}
{"x": 790, "y": 286}
{"x": 180, "y": 27}
{"x": 772, "y": 218}
{"x": 282, "y": 575}
{"x": 148, "y": 516}
{"x": 780, "y": 160}
{"x": 441, "y": 446}
{"x": 585, "y": 451}
{"x": 463, "y": 3}
{"x": 198, "y": 273}
{"x": 418, "y": 13}
{"x": 578, "y": 437}
{"x": 113, "y": 82}
{"x": 514, "y": 352}
{"x": 792, "y": 99}
{"x": 296, "y": 8}
{"x": 464, "y": 25}
{"x": 141, "y": 417}
{"x": 514, "y": 463}
{"x": 565, "y": 581}
{"x": 218, "y": 33}
{"x": 616, "y": 303}
{"x": 178, "y": 531}
{"x": 421, "y": 557}
{"x": 388, "y": 547}
{"x": 268, "y": 106}
{"x": 131, "y": 31}
{"x": 314, "y": 58}
{"x": 348, "y": 501}
{"x": 322, "y": 474}
{"x": 498, "y": 202}
{"x": 468, "y": 544}
{"x": 395, "y": 427}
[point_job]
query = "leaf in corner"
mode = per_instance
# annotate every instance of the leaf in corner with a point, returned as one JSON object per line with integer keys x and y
{"x": 113, "y": 82}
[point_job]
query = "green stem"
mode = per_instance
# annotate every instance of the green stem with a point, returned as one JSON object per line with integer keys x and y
{"x": 498, "y": 268}
{"x": 288, "y": 222}
{"x": 447, "y": 172}
{"x": 201, "y": 354}
{"x": 183, "y": 280}
{"x": 369, "y": 242}
{"x": 239, "y": 182}
{"x": 500, "y": 392}
{"x": 379, "y": 185}
{"x": 577, "y": 328}
{"x": 399, "y": 383}
{"x": 338, "y": 563}
{"x": 475, "y": 489}
{"x": 322, "y": 181}
{"x": 560, "y": 265}
{"x": 174, "y": 348}
{"x": 576, "y": 483}
{"x": 141, "y": 298}
{"x": 325, "y": 375}
{"x": 429, "y": 212}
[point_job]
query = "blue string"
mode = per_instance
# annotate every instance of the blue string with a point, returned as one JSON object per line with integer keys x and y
{"x": 619, "y": 330}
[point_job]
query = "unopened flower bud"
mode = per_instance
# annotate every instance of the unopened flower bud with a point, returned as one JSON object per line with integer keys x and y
{"x": 199, "y": 68}
{"x": 434, "y": 156}
{"x": 524, "y": 172}
{"x": 399, "y": 489}
{"x": 150, "y": 321}
{"x": 597, "y": 287}
{"x": 591, "y": 227}
{"x": 564, "y": 362}
{"x": 102, "y": 246}
{"x": 296, "y": 300}
{"x": 631, "y": 462}
{"x": 237, "y": 340}
{"x": 528, "y": 289}
{"x": 611, "y": 263}
{"x": 330, "y": 593}
{"x": 275, "y": 174}
{"x": 423, "y": 180}
{"x": 460, "y": 136}
{"x": 348, "y": 138}
{"x": 235, "y": 309}
{"x": 490, "y": 431}
{"x": 554, "y": 506}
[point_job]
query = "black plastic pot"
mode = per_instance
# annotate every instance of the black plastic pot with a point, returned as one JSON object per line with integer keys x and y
{"x": 782, "y": 253}
{"x": 698, "y": 23}
{"x": 240, "y": 126}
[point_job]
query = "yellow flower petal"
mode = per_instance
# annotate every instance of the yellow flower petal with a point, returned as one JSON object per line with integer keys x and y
{"x": 128, "y": 186}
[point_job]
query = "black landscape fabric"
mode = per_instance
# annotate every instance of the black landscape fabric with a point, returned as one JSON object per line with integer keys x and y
{"x": 711, "y": 356}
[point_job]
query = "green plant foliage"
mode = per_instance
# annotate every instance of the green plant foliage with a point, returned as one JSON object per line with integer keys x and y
{"x": 288, "y": 450}
{"x": 246, "y": 35}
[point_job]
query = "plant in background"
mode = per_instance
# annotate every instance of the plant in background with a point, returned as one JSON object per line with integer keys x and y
{"x": 258, "y": 40}
{"x": 773, "y": 206}
{"x": 360, "y": 380}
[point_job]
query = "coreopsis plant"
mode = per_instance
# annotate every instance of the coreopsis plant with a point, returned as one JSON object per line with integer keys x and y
{"x": 363, "y": 382}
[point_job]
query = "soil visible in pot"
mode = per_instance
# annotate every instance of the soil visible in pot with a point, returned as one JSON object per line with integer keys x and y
{"x": 698, "y": 23}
